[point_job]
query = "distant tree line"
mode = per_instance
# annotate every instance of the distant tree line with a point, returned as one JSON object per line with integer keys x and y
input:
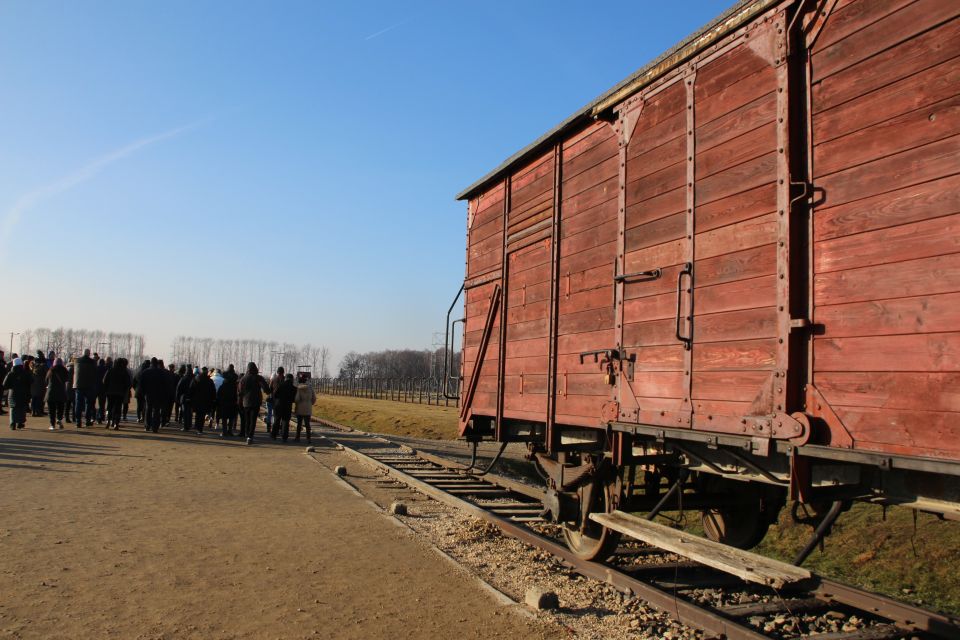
{"x": 70, "y": 342}
{"x": 220, "y": 352}
{"x": 398, "y": 363}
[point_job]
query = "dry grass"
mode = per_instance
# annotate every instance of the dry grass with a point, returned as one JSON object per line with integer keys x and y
{"x": 389, "y": 417}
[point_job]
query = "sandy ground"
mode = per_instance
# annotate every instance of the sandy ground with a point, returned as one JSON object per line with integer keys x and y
{"x": 134, "y": 535}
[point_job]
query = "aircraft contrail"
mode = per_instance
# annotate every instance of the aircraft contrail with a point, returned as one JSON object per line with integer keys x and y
{"x": 84, "y": 173}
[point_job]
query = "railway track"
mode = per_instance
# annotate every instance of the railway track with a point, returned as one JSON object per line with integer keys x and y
{"x": 719, "y": 604}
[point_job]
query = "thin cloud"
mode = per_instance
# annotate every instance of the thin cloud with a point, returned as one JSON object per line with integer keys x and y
{"x": 86, "y": 172}
{"x": 390, "y": 28}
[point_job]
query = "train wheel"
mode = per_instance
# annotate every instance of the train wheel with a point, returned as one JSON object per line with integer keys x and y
{"x": 593, "y": 541}
{"x": 743, "y": 525}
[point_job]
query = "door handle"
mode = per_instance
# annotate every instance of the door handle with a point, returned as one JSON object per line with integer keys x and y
{"x": 686, "y": 340}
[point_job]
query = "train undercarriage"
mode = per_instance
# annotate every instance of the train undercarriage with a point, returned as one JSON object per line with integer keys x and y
{"x": 736, "y": 491}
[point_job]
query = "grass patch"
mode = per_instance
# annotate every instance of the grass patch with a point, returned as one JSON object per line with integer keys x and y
{"x": 390, "y": 417}
{"x": 890, "y": 556}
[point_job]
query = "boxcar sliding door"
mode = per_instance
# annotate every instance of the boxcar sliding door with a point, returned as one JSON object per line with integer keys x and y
{"x": 704, "y": 308}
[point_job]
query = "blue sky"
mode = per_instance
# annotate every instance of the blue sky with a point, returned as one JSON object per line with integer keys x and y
{"x": 278, "y": 170}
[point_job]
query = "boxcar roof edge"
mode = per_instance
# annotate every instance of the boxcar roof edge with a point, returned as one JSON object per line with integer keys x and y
{"x": 730, "y": 20}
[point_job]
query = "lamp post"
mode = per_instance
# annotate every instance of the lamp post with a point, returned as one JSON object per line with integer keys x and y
{"x": 279, "y": 355}
{"x": 100, "y": 344}
{"x": 11, "y": 340}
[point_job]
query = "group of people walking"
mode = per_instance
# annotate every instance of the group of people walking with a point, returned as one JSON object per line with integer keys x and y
{"x": 90, "y": 389}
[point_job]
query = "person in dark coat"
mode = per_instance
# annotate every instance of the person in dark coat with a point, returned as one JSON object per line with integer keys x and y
{"x": 182, "y": 371}
{"x": 153, "y": 384}
{"x": 85, "y": 388}
{"x": 103, "y": 366}
{"x": 3, "y": 374}
{"x": 56, "y": 395}
{"x": 116, "y": 387}
{"x": 138, "y": 392}
{"x": 251, "y": 389}
{"x": 170, "y": 375}
{"x": 184, "y": 400}
{"x": 203, "y": 395}
{"x": 68, "y": 407}
{"x": 227, "y": 402}
{"x": 18, "y": 383}
{"x": 283, "y": 398}
{"x": 39, "y": 388}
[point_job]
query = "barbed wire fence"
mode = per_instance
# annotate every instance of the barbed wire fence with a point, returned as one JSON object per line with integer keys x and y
{"x": 412, "y": 390}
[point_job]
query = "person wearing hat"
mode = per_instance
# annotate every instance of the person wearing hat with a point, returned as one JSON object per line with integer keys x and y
{"x": 303, "y": 403}
{"x": 203, "y": 396}
{"x": 85, "y": 388}
{"x": 18, "y": 383}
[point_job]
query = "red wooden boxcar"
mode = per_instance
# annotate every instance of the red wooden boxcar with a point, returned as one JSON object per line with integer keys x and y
{"x": 738, "y": 270}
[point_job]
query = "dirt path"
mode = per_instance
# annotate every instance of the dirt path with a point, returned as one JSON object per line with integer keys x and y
{"x": 134, "y": 535}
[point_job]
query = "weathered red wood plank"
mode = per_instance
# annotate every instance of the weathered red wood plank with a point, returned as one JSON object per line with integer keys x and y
{"x": 657, "y": 183}
{"x": 908, "y": 58}
{"x": 525, "y": 365}
{"x": 668, "y": 358}
{"x": 598, "y": 256}
{"x": 574, "y": 224}
{"x": 655, "y": 307}
{"x": 903, "y": 96}
{"x": 649, "y": 334}
{"x": 584, "y": 321}
{"x": 911, "y": 278}
{"x": 572, "y": 282}
{"x": 737, "y": 237}
{"x": 647, "y": 139}
{"x": 922, "y": 239}
{"x": 738, "y": 179}
{"x": 930, "y": 433}
{"x": 590, "y": 178}
{"x": 891, "y": 390}
{"x": 655, "y": 232}
{"x": 742, "y": 265}
{"x": 912, "y": 352}
{"x": 904, "y": 132}
{"x": 740, "y": 62}
{"x": 484, "y": 231}
{"x": 669, "y": 102}
{"x": 574, "y": 165}
{"x": 669, "y": 203}
{"x": 706, "y": 410}
{"x": 526, "y": 348}
{"x": 741, "y": 355}
{"x": 522, "y": 195}
{"x": 742, "y": 206}
{"x": 667, "y": 154}
{"x": 658, "y": 384}
{"x": 735, "y": 325}
{"x": 923, "y": 314}
{"x": 742, "y": 120}
{"x": 903, "y": 206}
{"x": 929, "y": 162}
{"x": 666, "y": 283}
{"x": 573, "y": 343}
{"x": 590, "y": 198}
{"x": 747, "y": 146}
{"x": 847, "y": 19}
{"x": 530, "y": 384}
{"x": 738, "y": 386}
{"x": 486, "y": 262}
{"x": 597, "y": 134}
{"x": 526, "y": 330}
{"x": 527, "y": 312}
{"x": 744, "y": 91}
{"x": 525, "y": 295}
{"x": 601, "y": 234}
{"x": 655, "y": 257}
{"x": 740, "y": 294}
{"x": 891, "y": 30}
